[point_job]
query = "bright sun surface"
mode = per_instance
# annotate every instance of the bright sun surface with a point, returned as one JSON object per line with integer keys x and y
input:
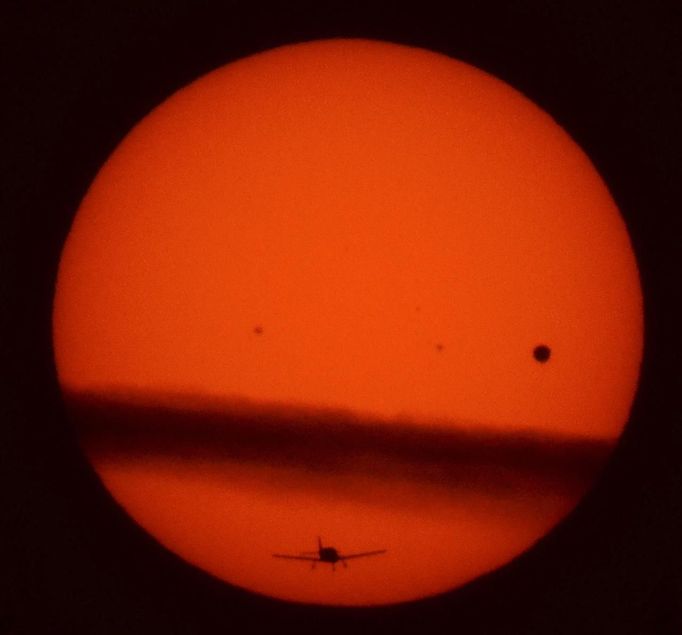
{"x": 355, "y": 290}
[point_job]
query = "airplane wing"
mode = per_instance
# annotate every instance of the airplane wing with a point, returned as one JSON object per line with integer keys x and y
{"x": 361, "y": 555}
{"x": 308, "y": 558}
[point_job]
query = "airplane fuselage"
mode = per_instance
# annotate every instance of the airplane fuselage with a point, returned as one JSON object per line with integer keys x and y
{"x": 329, "y": 554}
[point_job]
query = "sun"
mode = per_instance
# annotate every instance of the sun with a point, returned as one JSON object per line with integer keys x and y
{"x": 349, "y": 289}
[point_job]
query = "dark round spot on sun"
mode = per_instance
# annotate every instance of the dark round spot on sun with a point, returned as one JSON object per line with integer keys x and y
{"x": 542, "y": 353}
{"x": 258, "y": 330}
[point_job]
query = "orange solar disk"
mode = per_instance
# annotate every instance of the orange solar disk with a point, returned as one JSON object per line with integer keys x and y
{"x": 355, "y": 290}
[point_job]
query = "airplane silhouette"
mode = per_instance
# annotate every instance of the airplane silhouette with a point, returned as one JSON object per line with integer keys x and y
{"x": 327, "y": 554}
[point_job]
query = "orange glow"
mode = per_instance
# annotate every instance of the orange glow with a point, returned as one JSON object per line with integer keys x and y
{"x": 359, "y": 225}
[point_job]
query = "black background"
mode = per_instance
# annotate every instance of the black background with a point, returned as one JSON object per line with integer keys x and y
{"x": 78, "y": 76}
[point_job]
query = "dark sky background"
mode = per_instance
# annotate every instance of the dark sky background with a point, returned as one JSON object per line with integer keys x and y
{"x": 78, "y": 75}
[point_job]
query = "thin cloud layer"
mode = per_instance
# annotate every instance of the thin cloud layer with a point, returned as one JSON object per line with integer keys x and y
{"x": 332, "y": 443}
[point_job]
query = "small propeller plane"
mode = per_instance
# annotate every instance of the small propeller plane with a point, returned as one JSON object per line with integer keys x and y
{"x": 327, "y": 554}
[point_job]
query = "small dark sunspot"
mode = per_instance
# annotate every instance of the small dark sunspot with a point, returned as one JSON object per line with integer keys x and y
{"x": 542, "y": 353}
